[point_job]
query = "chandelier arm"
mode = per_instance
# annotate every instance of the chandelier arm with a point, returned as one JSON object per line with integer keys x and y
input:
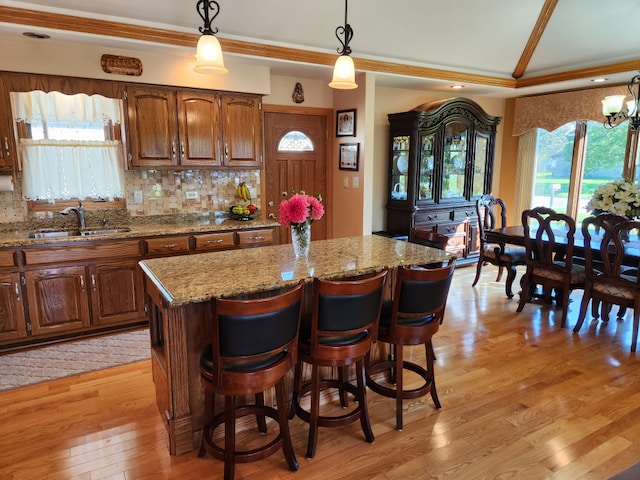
{"x": 203, "y": 7}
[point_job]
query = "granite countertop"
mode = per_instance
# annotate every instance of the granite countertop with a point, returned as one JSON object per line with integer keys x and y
{"x": 18, "y": 237}
{"x": 201, "y": 277}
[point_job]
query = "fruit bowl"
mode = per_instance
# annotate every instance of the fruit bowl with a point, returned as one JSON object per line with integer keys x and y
{"x": 243, "y": 212}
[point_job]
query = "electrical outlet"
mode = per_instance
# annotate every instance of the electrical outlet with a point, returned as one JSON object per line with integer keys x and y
{"x": 137, "y": 196}
{"x": 191, "y": 195}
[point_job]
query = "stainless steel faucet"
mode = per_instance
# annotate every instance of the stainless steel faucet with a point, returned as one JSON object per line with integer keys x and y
{"x": 79, "y": 211}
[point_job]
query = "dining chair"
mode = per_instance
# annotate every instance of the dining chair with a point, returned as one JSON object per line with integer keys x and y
{"x": 429, "y": 238}
{"x": 547, "y": 232}
{"x": 254, "y": 346}
{"x": 608, "y": 282}
{"x": 488, "y": 210}
{"x": 412, "y": 317}
{"x": 339, "y": 332}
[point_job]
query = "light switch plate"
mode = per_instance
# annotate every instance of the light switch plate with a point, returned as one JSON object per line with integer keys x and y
{"x": 345, "y": 182}
{"x": 355, "y": 182}
{"x": 137, "y": 196}
{"x": 191, "y": 195}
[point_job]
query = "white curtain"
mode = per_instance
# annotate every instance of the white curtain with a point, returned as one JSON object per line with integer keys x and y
{"x": 73, "y": 168}
{"x": 66, "y": 169}
{"x": 525, "y": 171}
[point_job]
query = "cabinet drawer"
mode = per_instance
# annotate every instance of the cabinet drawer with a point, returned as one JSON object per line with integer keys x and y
{"x": 249, "y": 238}
{"x": 160, "y": 245}
{"x": 466, "y": 213}
{"x": 7, "y": 259}
{"x": 214, "y": 241}
{"x": 85, "y": 252}
{"x": 453, "y": 228}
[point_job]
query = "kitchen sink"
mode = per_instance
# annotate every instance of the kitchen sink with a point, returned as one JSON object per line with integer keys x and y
{"x": 53, "y": 233}
{"x": 75, "y": 233}
{"x": 105, "y": 231}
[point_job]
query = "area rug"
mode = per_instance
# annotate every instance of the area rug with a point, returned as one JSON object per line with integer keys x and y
{"x": 42, "y": 364}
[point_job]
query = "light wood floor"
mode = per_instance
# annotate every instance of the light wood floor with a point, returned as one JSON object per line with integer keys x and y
{"x": 522, "y": 399}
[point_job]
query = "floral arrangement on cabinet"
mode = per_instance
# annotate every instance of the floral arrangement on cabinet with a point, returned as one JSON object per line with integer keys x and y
{"x": 620, "y": 197}
{"x": 299, "y": 211}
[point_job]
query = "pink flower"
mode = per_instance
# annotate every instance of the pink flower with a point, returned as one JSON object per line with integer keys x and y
{"x": 299, "y": 209}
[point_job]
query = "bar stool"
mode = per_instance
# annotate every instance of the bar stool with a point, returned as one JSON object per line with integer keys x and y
{"x": 254, "y": 345}
{"x": 412, "y": 318}
{"x": 340, "y": 331}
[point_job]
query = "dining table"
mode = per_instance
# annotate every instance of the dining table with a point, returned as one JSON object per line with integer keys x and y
{"x": 514, "y": 235}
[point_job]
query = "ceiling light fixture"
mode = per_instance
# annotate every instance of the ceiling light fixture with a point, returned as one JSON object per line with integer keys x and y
{"x": 344, "y": 71}
{"x": 208, "y": 53}
{"x": 616, "y": 114}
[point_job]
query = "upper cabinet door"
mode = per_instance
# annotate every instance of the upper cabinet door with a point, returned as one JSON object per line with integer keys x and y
{"x": 7, "y": 142}
{"x": 241, "y": 131}
{"x": 199, "y": 120}
{"x": 152, "y": 127}
{"x": 454, "y": 161}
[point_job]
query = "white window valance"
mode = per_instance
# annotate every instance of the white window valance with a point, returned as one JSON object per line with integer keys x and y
{"x": 38, "y": 106}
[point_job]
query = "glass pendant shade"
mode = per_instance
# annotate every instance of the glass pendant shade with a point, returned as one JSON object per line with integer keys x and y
{"x": 612, "y": 104}
{"x": 344, "y": 74}
{"x": 209, "y": 56}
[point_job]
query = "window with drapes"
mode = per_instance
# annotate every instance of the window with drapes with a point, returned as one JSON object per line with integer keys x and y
{"x": 565, "y": 152}
{"x": 69, "y": 145}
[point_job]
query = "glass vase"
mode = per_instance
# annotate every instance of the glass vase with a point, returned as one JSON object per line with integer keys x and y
{"x": 301, "y": 239}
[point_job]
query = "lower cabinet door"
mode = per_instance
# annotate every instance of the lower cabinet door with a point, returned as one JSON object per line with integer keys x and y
{"x": 58, "y": 299}
{"x": 117, "y": 293}
{"x": 12, "y": 318}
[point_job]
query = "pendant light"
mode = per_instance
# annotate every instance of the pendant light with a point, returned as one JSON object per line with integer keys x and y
{"x": 209, "y": 53}
{"x": 344, "y": 72}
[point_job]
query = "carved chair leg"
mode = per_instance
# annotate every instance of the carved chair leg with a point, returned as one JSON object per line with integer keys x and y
{"x": 511, "y": 276}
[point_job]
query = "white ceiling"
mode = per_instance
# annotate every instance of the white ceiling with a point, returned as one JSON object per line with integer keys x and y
{"x": 483, "y": 37}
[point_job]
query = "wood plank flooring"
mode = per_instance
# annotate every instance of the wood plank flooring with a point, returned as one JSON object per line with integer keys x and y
{"x": 522, "y": 399}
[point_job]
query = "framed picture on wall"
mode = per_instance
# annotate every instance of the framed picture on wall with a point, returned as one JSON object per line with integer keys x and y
{"x": 346, "y": 123}
{"x": 349, "y": 156}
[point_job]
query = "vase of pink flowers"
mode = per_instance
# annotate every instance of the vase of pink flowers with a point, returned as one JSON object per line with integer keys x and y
{"x": 299, "y": 211}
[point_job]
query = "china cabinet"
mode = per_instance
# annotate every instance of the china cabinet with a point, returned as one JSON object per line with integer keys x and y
{"x": 441, "y": 161}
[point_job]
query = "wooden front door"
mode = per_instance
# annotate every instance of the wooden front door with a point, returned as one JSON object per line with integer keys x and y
{"x": 290, "y": 165}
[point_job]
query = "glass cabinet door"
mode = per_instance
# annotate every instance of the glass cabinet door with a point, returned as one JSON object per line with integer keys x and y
{"x": 454, "y": 161}
{"x": 400, "y": 167}
{"x": 479, "y": 165}
{"x": 425, "y": 180}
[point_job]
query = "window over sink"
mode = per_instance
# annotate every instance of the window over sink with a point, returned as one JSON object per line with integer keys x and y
{"x": 69, "y": 146}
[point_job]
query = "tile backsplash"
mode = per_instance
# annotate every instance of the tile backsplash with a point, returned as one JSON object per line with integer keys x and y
{"x": 160, "y": 192}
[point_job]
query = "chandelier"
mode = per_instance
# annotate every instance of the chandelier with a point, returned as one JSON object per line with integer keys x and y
{"x": 615, "y": 113}
{"x": 344, "y": 72}
{"x": 208, "y": 53}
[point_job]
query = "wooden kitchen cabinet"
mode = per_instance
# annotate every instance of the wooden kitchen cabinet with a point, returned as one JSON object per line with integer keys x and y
{"x": 58, "y": 300}
{"x": 182, "y": 128}
{"x": 241, "y": 130}
{"x": 172, "y": 128}
{"x": 12, "y": 317}
{"x": 7, "y": 141}
{"x": 117, "y": 293}
{"x": 440, "y": 163}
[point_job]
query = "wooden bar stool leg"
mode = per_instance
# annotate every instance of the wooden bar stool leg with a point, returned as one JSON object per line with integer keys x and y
{"x": 262, "y": 422}
{"x": 362, "y": 401}
{"x": 342, "y": 375}
{"x": 229, "y": 436}
{"x": 431, "y": 371}
{"x": 314, "y": 411}
{"x": 399, "y": 350}
{"x": 297, "y": 382}
{"x": 287, "y": 445}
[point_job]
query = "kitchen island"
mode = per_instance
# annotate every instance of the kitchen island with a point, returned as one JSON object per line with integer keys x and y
{"x": 180, "y": 290}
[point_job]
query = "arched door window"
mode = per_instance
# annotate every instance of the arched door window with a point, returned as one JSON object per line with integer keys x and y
{"x": 295, "y": 141}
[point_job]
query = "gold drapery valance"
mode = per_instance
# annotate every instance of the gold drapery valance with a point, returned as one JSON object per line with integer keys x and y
{"x": 554, "y": 110}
